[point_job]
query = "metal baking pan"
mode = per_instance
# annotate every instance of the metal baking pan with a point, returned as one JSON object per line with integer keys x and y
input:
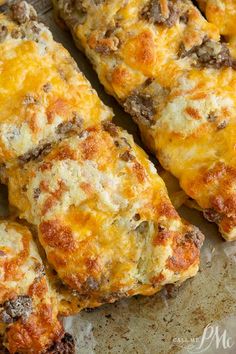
{"x": 199, "y": 317}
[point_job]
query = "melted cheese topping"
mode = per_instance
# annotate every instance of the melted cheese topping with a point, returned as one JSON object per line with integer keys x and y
{"x": 104, "y": 217}
{"x": 222, "y": 13}
{"x": 102, "y": 213}
{"x": 172, "y": 77}
{"x": 42, "y": 91}
{"x": 22, "y": 275}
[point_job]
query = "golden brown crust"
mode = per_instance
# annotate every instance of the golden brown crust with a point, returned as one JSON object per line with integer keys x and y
{"x": 57, "y": 236}
{"x": 177, "y": 80}
{"x": 222, "y": 13}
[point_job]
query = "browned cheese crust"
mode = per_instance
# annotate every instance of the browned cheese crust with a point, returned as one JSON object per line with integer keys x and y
{"x": 223, "y": 14}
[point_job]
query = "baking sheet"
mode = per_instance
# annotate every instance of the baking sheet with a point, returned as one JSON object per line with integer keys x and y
{"x": 199, "y": 317}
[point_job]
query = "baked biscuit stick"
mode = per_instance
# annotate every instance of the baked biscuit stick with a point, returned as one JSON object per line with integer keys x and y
{"x": 104, "y": 217}
{"x": 28, "y": 305}
{"x": 166, "y": 65}
{"x": 43, "y": 95}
